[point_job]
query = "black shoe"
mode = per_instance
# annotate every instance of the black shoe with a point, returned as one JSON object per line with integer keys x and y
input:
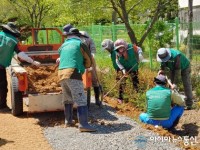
{"x": 98, "y": 103}
{"x": 188, "y": 108}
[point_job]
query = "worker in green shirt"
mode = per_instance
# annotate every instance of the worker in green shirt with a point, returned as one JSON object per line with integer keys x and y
{"x": 9, "y": 46}
{"x": 177, "y": 63}
{"x": 159, "y": 101}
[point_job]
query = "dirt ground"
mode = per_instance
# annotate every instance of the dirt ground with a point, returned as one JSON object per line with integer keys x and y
{"x": 25, "y": 132}
{"x": 20, "y": 133}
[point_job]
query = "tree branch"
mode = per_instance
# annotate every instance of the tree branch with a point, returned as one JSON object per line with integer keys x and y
{"x": 156, "y": 16}
{"x": 132, "y": 7}
{"x": 116, "y": 9}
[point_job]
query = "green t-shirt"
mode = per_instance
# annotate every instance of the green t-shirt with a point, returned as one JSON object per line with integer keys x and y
{"x": 184, "y": 62}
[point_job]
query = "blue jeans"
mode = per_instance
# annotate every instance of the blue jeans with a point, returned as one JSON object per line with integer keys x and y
{"x": 176, "y": 113}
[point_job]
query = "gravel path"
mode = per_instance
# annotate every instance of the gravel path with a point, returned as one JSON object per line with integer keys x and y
{"x": 115, "y": 132}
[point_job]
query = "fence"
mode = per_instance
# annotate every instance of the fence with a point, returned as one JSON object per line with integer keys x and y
{"x": 179, "y": 32}
{"x": 178, "y": 37}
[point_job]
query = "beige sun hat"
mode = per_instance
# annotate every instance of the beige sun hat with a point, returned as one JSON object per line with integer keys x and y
{"x": 163, "y": 54}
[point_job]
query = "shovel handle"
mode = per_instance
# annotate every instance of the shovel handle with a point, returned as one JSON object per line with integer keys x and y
{"x": 173, "y": 87}
{"x": 56, "y": 67}
{"x": 125, "y": 75}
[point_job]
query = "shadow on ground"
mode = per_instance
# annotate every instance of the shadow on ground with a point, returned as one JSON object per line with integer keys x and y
{"x": 51, "y": 119}
{"x": 4, "y": 142}
{"x": 190, "y": 130}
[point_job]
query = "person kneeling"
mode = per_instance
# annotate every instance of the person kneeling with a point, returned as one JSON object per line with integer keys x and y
{"x": 159, "y": 105}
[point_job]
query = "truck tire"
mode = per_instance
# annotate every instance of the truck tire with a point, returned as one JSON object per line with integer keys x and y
{"x": 17, "y": 104}
{"x": 88, "y": 96}
{"x": 16, "y": 98}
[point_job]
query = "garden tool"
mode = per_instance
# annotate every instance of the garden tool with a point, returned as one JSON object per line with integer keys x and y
{"x": 170, "y": 84}
{"x": 56, "y": 66}
{"x": 176, "y": 94}
{"x": 124, "y": 76}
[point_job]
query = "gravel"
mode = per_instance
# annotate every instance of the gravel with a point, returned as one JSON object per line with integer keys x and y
{"x": 115, "y": 132}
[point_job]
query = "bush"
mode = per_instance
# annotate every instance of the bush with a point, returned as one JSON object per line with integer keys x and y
{"x": 195, "y": 41}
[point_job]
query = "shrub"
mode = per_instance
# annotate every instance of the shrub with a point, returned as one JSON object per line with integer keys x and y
{"x": 195, "y": 41}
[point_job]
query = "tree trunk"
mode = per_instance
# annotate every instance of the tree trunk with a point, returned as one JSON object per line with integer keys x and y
{"x": 114, "y": 17}
{"x": 131, "y": 34}
{"x": 190, "y": 30}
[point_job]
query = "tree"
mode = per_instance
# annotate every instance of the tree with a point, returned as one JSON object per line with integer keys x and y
{"x": 7, "y": 13}
{"x": 125, "y": 7}
{"x": 32, "y": 12}
{"x": 37, "y": 13}
{"x": 80, "y": 12}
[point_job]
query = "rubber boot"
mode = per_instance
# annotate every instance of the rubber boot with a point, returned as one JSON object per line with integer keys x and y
{"x": 97, "y": 93}
{"x": 82, "y": 113}
{"x": 68, "y": 111}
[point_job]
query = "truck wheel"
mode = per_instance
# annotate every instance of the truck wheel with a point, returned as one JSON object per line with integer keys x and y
{"x": 88, "y": 97}
{"x": 17, "y": 104}
{"x": 16, "y": 98}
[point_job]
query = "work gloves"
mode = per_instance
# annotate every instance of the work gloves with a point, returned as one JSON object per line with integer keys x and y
{"x": 36, "y": 63}
{"x": 58, "y": 60}
{"x": 140, "y": 54}
{"x": 172, "y": 86}
{"x": 28, "y": 59}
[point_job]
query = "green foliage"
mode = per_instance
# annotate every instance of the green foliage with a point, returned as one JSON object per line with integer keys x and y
{"x": 7, "y": 12}
{"x": 197, "y": 91}
{"x": 195, "y": 41}
{"x": 195, "y": 78}
{"x": 31, "y": 13}
{"x": 161, "y": 35}
{"x": 139, "y": 101}
{"x": 80, "y": 12}
{"x": 197, "y": 98}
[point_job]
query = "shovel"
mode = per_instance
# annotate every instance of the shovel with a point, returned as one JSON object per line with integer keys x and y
{"x": 119, "y": 80}
{"x": 170, "y": 84}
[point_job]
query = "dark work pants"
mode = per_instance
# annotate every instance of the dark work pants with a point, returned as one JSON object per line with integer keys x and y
{"x": 135, "y": 81}
{"x": 3, "y": 87}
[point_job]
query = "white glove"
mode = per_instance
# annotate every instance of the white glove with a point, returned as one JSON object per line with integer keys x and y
{"x": 174, "y": 86}
{"x": 58, "y": 60}
{"x": 93, "y": 55}
{"x": 141, "y": 57}
{"x": 124, "y": 71}
{"x": 36, "y": 63}
{"x": 89, "y": 69}
{"x": 139, "y": 50}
